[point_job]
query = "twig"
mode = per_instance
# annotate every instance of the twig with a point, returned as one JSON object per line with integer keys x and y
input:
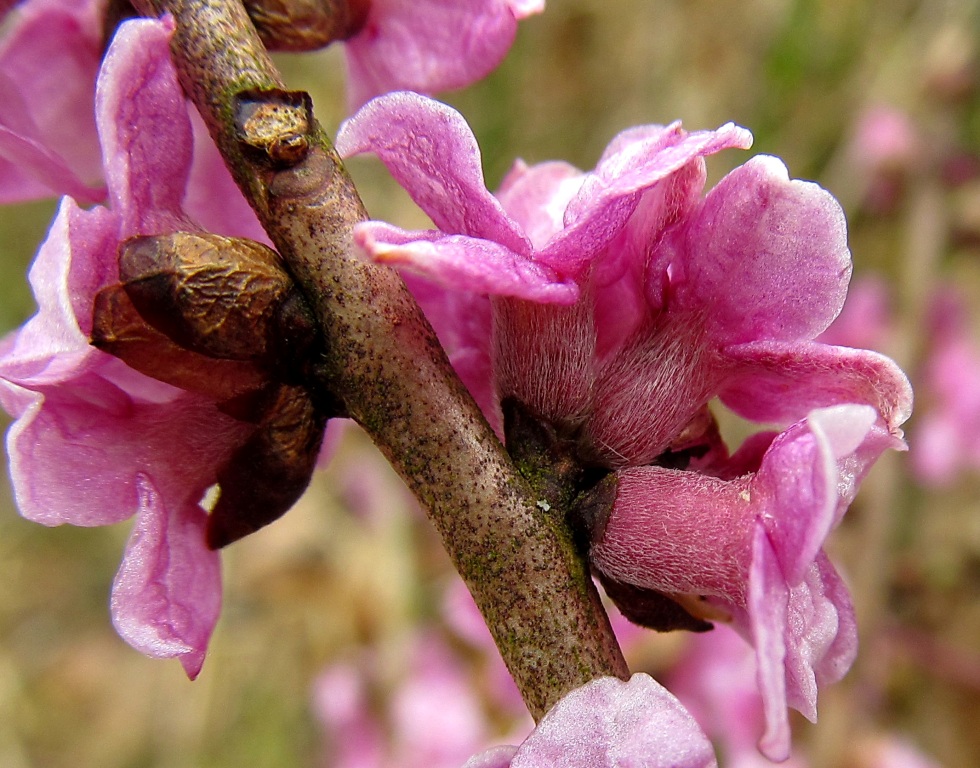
{"x": 384, "y": 363}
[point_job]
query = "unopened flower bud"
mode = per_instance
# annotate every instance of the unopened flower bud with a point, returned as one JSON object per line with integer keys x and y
{"x": 305, "y": 25}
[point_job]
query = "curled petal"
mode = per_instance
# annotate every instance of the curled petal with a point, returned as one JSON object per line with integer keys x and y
{"x": 768, "y": 256}
{"x": 800, "y": 478}
{"x": 776, "y": 382}
{"x": 167, "y": 594}
{"x": 610, "y": 194}
{"x": 53, "y": 345}
{"x": 767, "y": 609}
{"x": 821, "y": 635}
{"x": 431, "y": 151}
{"x": 464, "y": 263}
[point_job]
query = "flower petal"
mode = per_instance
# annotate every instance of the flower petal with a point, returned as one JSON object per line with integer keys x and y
{"x": 462, "y": 321}
{"x": 536, "y": 197}
{"x": 145, "y": 131}
{"x": 767, "y": 608}
{"x": 610, "y": 194}
{"x": 430, "y": 150}
{"x": 463, "y": 263}
{"x": 821, "y": 636}
{"x": 800, "y": 477}
{"x": 76, "y": 256}
{"x": 430, "y": 45}
{"x": 767, "y": 257}
{"x": 776, "y": 382}
{"x": 609, "y": 723}
{"x": 167, "y": 594}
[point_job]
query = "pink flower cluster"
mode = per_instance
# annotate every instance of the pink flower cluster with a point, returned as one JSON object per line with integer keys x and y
{"x": 613, "y": 306}
{"x": 95, "y": 442}
{"x": 51, "y": 52}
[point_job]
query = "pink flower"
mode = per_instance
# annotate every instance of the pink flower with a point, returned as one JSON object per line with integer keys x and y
{"x": 430, "y": 45}
{"x": 621, "y": 302}
{"x": 749, "y": 547}
{"x": 608, "y": 723}
{"x": 95, "y": 442}
{"x": 49, "y": 58}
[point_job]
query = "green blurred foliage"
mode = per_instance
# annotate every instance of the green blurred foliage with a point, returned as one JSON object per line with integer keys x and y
{"x": 313, "y": 586}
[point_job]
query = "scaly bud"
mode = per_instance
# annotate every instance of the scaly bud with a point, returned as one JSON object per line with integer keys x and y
{"x": 119, "y": 330}
{"x": 305, "y": 25}
{"x": 220, "y": 297}
{"x": 267, "y": 474}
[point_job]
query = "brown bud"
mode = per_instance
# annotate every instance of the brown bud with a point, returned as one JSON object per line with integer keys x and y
{"x": 650, "y": 609}
{"x": 276, "y": 124}
{"x": 216, "y": 296}
{"x": 118, "y": 329}
{"x": 305, "y": 25}
{"x": 266, "y": 475}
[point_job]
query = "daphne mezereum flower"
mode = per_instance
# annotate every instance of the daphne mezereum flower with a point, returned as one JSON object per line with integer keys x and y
{"x": 51, "y": 51}
{"x": 94, "y": 442}
{"x": 49, "y": 58}
{"x": 612, "y": 306}
{"x": 429, "y": 46}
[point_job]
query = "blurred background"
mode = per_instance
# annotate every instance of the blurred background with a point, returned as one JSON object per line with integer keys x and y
{"x": 880, "y": 103}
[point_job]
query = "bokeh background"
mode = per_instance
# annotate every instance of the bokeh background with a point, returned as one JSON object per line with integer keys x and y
{"x": 353, "y": 571}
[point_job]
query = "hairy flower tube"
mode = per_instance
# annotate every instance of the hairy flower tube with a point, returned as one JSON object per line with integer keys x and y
{"x": 94, "y": 441}
{"x": 594, "y": 317}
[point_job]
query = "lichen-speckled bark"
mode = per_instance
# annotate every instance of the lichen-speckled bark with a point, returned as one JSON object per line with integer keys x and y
{"x": 385, "y": 364}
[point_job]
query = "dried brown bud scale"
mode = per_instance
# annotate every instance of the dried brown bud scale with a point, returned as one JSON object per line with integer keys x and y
{"x": 119, "y": 330}
{"x": 213, "y": 295}
{"x": 269, "y": 472}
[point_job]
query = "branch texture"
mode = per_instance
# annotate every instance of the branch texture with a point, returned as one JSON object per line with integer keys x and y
{"x": 385, "y": 365}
